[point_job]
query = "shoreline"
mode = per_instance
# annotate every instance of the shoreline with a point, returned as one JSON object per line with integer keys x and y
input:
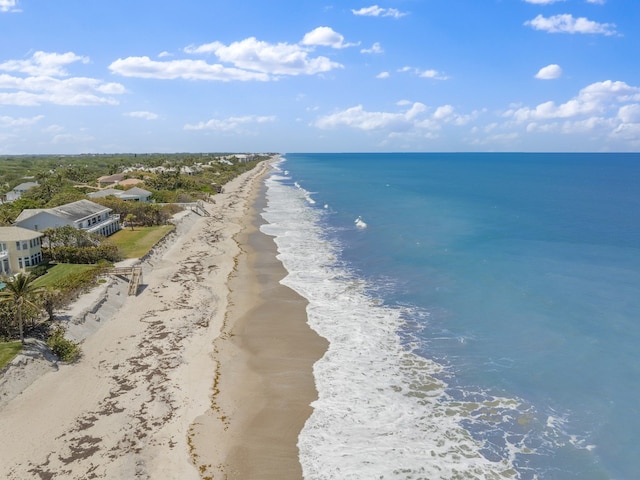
{"x": 127, "y": 408}
{"x": 264, "y": 382}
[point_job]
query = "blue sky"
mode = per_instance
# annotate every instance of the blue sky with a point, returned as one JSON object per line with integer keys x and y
{"x": 96, "y": 76}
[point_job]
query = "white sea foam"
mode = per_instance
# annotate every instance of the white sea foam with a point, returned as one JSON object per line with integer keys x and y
{"x": 360, "y": 223}
{"x": 383, "y": 412}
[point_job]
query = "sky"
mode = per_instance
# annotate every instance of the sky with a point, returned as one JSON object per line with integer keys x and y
{"x": 136, "y": 76}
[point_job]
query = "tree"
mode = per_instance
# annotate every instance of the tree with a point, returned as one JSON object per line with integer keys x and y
{"x": 130, "y": 218}
{"x": 20, "y": 291}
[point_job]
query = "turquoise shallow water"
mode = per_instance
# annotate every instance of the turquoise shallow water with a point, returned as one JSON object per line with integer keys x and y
{"x": 483, "y": 311}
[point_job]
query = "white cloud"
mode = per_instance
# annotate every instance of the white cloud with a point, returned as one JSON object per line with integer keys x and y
{"x": 550, "y": 72}
{"x": 566, "y": 23}
{"x": 10, "y": 122}
{"x": 41, "y": 85}
{"x": 165, "y": 54}
{"x": 603, "y": 110}
{"x": 383, "y": 75}
{"x": 325, "y": 37}
{"x": 375, "y": 48}
{"x": 44, "y": 64}
{"x": 251, "y": 55}
{"x": 8, "y": 6}
{"x": 597, "y": 2}
{"x": 413, "y": 121}
{"x": 142, "y": 114}
{"x": 376, "y": 11}
{"x": 430, "y": 73}
{"x": 33, "y": 91}
{"x": 230, "y": 123}
{"x": 629, "y": 113}
{"x": 144, "y": 67}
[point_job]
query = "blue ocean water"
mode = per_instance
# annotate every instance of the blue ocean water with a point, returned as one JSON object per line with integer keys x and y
{"x": 483, "y": 312}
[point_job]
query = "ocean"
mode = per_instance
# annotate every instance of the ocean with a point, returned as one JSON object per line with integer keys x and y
{"x": 483, "y": 312}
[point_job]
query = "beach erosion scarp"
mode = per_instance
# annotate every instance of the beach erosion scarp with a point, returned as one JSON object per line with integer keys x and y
{"x": 151, "y": 380}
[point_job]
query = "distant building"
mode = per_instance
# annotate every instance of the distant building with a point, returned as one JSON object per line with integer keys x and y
{"x": 18, "y": 190}
{"x": 19, "y": 248}
{"x": 110, "y": 179}
{"x": 83, "y": 215}
{"x": 134, "y": 194}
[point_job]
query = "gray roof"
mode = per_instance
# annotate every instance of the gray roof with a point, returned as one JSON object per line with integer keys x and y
{"x": 74, "y": 211}
{"x": 25, "y": 186}
{"x": 131, "y": 193}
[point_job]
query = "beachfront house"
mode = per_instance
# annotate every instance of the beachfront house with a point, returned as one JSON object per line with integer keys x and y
{"x": 135, "y": 194}
{"x": 19, "y": 248}
{"x": 83, "y": 214}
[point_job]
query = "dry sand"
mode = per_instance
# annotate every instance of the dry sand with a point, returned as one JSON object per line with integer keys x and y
{"x": 173, "y": 383}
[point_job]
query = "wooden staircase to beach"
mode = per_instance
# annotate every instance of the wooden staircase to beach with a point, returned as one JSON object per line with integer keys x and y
{"x": 134, "y": 274}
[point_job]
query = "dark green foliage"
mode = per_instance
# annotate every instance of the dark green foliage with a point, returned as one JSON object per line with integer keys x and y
{"x": 145, "y": 214}
{"x": 64, "y": 349}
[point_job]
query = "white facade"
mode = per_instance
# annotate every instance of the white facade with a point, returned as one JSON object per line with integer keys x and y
{"x": 83, "y": 215}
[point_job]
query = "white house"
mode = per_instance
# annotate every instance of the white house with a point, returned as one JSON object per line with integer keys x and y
{"x": 19, "y": 248}
{"x": 83, "y": 214}
{"x": 18, "y": 190}
{"x": 134, "y": 194}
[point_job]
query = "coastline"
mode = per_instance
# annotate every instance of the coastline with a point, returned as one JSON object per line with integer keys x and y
{"x": 264, "y": 382}
{"x": 127, "y": 409}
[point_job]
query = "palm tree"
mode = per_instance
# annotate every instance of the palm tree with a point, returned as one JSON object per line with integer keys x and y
{"x": 20, "y": 291}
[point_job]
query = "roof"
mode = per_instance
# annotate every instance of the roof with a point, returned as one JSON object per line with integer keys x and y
{"x": 11, "y": 234}
{"x": 137, "y": 191}
{"x": 105, "y": 193}
{"x": 134, "y": 192}
{"x": 25, "y": 186}
{"x": 71, "y": 211}
{"x": 111, "y": 178}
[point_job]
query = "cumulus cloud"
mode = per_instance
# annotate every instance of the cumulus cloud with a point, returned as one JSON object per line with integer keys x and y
{"x": 326, "y": 37}
{"x": 375, "y": 48}
{"x": 44, "y": 63}
{"x": 566, "y": 23}
{"x": 602, "y": 109}
{"x": 550, "y": 72}
{"x": 9, "y": 6}
{"x": 11, "y": 122}
{"x": 142, "y": 114}
{"x": 429, "y": 73}
{"x": 229, "y": 124}
{"x": 144, "y": 67}
{"x": 245, "y": 60}
{"x": 376, "y": 11}
{"x": 48, "y": 81}
{"x": 413, "y": 120}
{"x": 383, "y": 75}
{"x": 594, "y": 99}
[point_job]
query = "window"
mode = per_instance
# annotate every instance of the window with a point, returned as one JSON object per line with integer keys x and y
{"x": 27, "y": 262}
{"x": 18, "y": 245}
{"x": 20, "y": 262}
{"x": 25, "y": 245}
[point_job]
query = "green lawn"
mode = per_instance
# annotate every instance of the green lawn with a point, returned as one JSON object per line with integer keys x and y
{"x": 60, "y": 272}
{"x": 138, "y": 242}
{"x": 8, "y": 350}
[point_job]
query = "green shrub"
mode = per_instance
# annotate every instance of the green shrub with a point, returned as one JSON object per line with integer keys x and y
{"x": 65, "y": 349}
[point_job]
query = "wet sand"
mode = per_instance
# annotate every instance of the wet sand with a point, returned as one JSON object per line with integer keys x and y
{"x": 265, "y": 383}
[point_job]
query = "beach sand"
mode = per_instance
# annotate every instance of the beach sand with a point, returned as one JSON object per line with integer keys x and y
{"x": 205, "y": 374}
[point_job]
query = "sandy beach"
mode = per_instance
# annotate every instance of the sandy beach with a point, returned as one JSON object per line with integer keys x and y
{"x": 206, "y": 373}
